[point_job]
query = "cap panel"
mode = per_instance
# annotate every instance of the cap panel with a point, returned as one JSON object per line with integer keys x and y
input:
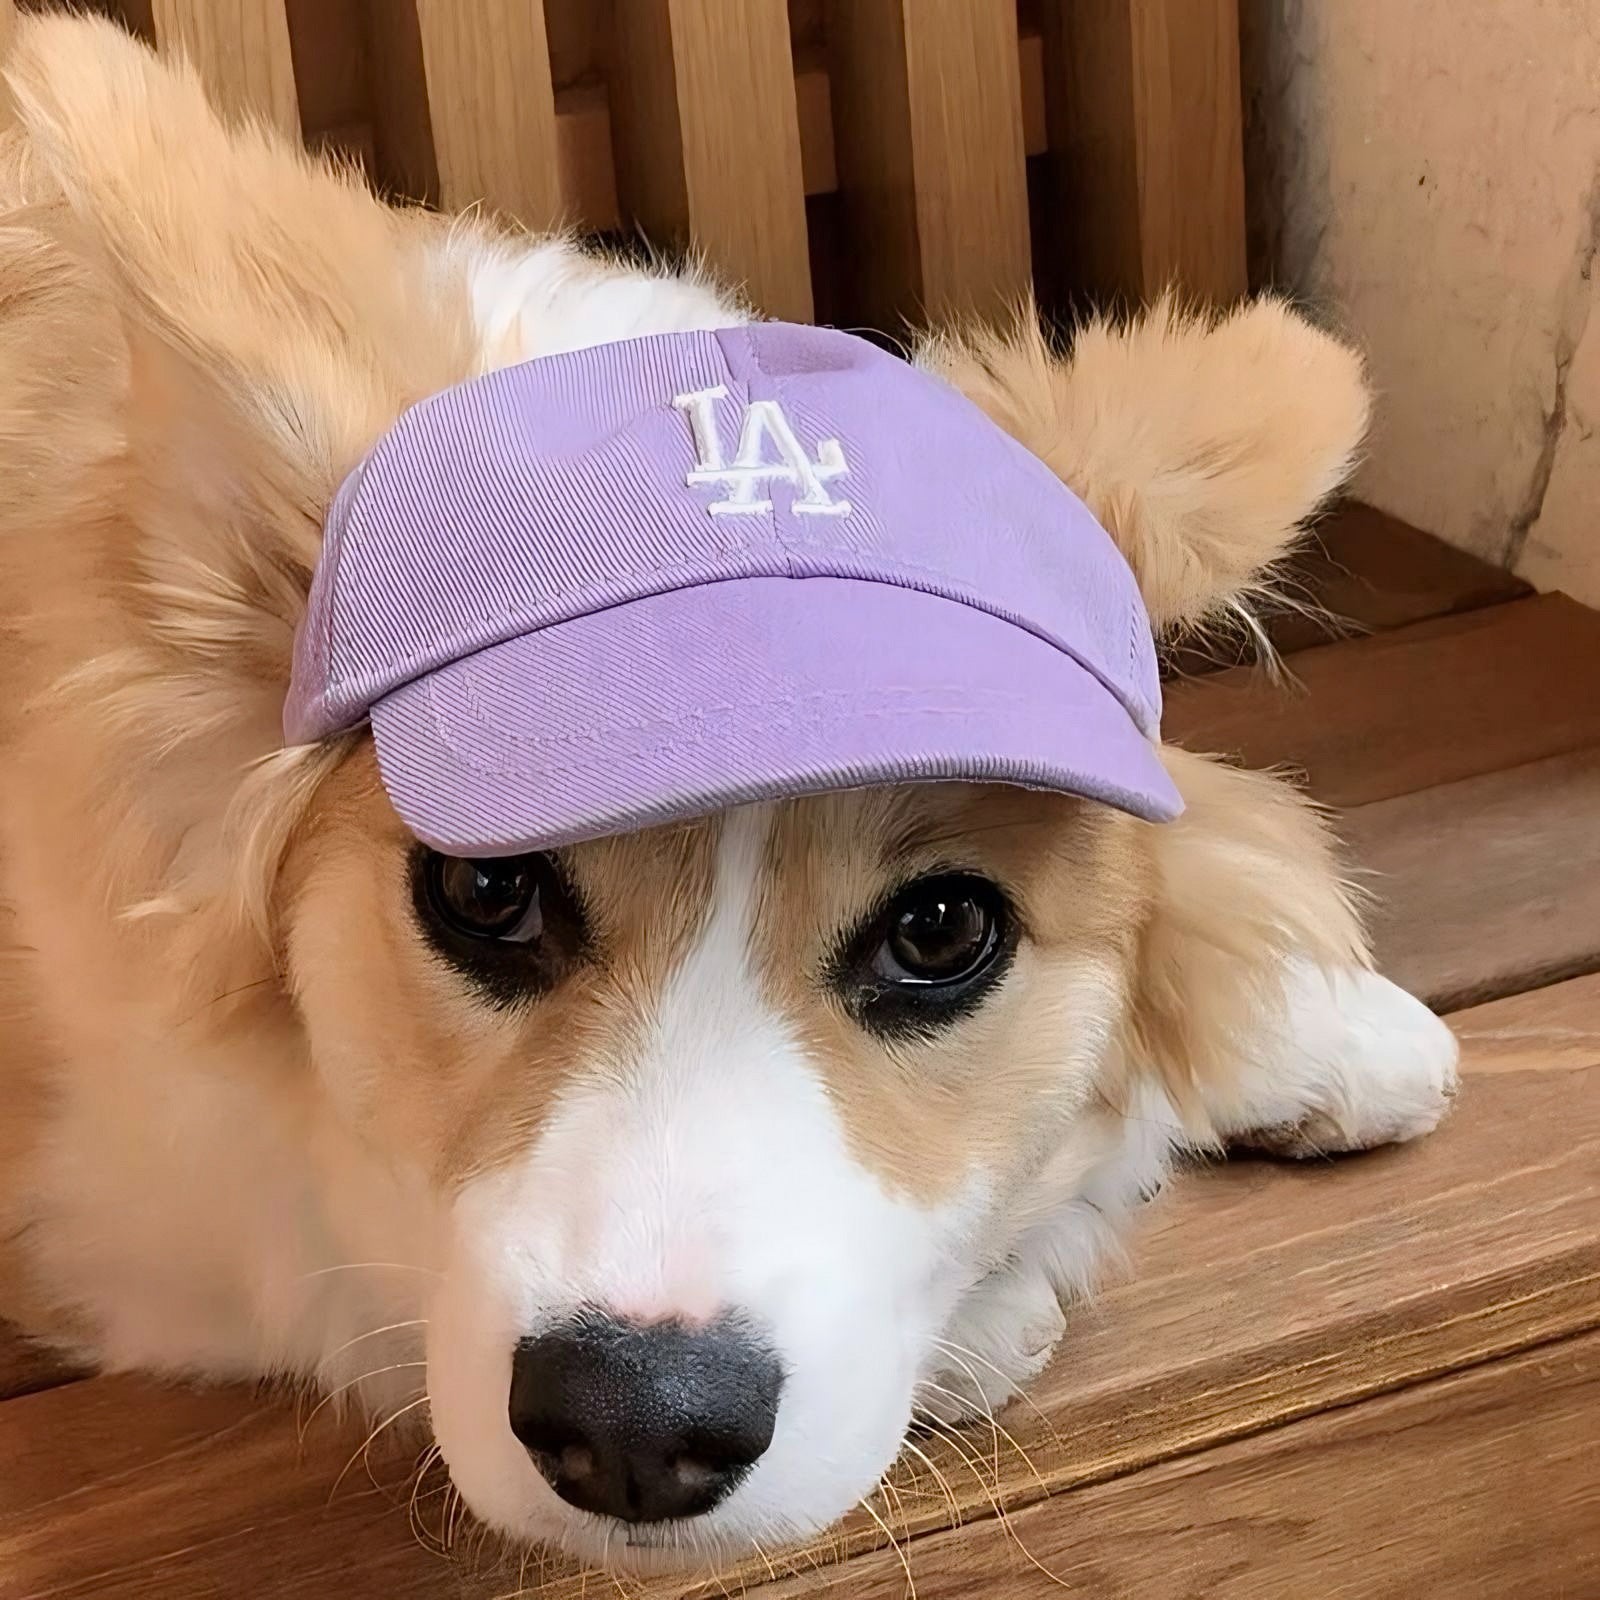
{"x": 572, "y": 484}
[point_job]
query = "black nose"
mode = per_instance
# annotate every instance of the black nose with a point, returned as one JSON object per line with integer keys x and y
{"x": 644, "y": 1423}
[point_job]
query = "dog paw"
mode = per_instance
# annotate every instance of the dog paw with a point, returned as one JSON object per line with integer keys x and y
{"x": 1383, "y": 1068}
{"x": 1000, "y": 1339}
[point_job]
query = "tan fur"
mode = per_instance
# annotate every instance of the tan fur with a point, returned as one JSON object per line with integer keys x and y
{"x": 195, "y": 346}
{"x": 1246, "y": 877}
{"x": 200, "y": 332}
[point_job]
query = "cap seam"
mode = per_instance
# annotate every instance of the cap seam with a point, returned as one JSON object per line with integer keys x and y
{"x": 351, "y": 484}
{"x": 887, "y": 583}
{"x": 890, "y": 582}
{"x": 823, "y": 704}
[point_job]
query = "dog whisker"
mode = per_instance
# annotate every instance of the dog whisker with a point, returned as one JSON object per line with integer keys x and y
{"x": 894, "y": 1544}
{"x": 947, "y": 1435}
{"x": 939, "y": 1478}
{"x": 996, "y": 1425}
{"x": 944, "y": 1433}
{"x": 333, "y": 1394}
{"x": 413, "y": 1518}
{"x": 372, "y": 1266}
{"x": 366, "y": 1444}
{"x": 372, "y": 1333}
{"x": 951, "y": 1348}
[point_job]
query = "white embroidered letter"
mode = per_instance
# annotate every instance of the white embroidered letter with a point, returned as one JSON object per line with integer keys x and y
{"x": 752, "y": 466}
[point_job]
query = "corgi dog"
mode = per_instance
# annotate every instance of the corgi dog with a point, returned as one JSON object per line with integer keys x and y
{"x": 601, "y": 872}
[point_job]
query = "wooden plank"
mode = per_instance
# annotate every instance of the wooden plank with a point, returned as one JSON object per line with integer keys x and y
{"x": 1489, "y": 885}
{"x": 927, "y": 110}
{"x": 1376, "y": 572}
{"x": 583, "y": 133}
{"x": 491, "y": 105}
{"x": 870, "y": 95}
{"x": 963, "y": 83}
{"x": 1430, "y": 704}
{"x": 1143, "y": 104}
{"x": 405, "y": 162}
{"x": 1361, "y": 571}
{"x": 579, "y": 31}
{"x": 705, "y": 127}
{"x": 327, "y": 39}
{"x": 26, "y": 1367}
{"x": 1263, "y": 1293}
{"x": 117, "y": 1486}
{"x": 1545, "y": 1030}
{"x": 1478, "y": 1486}
{"x": 242, "y": 51}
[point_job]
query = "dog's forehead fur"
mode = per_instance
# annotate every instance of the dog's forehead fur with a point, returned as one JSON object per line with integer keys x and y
{"x": 466, "y": 1085}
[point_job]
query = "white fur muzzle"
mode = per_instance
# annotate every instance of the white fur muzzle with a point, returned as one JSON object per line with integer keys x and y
{"x": 709, "y": 1173}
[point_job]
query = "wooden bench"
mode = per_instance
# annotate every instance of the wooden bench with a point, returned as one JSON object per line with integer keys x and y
{"x": 1372, "y": 1376}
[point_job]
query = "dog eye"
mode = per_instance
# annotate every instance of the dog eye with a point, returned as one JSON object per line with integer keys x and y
{"x": 929, "y": 955}
{"x": 497, "y": 899}
{"x": 513, "y": 927}
{"x": 940, "y": 931}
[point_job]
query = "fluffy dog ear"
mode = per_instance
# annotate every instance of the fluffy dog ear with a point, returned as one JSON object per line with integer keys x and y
{"x": 1202, "y": 443}
{"x": 277, "y": 272}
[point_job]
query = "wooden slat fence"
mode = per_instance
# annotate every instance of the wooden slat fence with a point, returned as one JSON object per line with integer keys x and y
{"x": 861, "y": 161}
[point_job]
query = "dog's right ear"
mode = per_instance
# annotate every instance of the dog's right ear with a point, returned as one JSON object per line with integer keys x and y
{"x": 277, "y": 272}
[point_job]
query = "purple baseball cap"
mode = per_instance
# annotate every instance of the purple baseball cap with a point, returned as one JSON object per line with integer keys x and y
{"x": 643, "y": 581}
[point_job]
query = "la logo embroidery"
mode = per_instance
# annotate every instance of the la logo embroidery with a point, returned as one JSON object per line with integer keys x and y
{"x": 750, "y": 468}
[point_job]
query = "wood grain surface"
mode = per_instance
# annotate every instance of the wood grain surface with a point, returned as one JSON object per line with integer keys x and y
{"x": 1434, "y": 703}
{"x": 1482, "y": 1485}
{"x": 1360, "y": 571}
{"x": 491, "y": 106}
{"x": 705, "y": 131}
{"x": 927, "y": 112}
{"x": 387, "y": 114}
{"x": 1142, "y": 100}
{"x": 1486, "y": 886}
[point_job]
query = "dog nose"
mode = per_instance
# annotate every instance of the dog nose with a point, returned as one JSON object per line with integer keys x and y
{"x": 644, "y": 1423}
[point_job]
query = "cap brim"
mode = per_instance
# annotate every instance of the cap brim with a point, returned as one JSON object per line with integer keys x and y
{"x": 687, "y": 702}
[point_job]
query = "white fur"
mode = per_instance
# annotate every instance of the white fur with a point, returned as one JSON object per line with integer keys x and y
{"x": 1352, "y": 1061}
{"x": 547, "y": 297}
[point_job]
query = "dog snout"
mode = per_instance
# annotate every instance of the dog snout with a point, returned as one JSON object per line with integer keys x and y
{"x": 645, "y": 1423}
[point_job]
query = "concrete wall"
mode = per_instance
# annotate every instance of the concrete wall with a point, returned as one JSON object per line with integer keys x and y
{"x": 1426, "y": 174}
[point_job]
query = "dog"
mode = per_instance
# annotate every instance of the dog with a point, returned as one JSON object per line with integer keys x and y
{"x": 670, "y": 1171}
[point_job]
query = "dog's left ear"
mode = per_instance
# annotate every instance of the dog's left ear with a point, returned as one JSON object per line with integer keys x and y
{"x": 1201, "y": 443}
{"x": 278, "y": 275}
